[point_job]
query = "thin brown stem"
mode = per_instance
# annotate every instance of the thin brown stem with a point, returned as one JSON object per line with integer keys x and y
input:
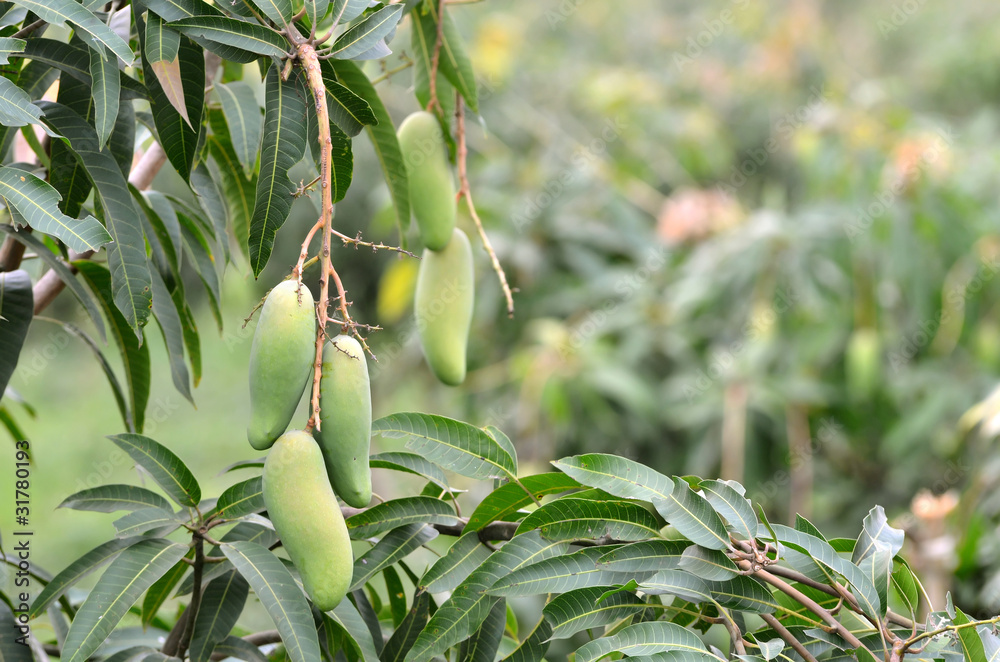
{"x": 391, "y": 72}
{"x": 465, "y": 191}
{"x": 788, "y": 637}
{"x": 28, "y": 29}
{"x": 12, "y": 253}
{"x": 357, "y": 242}
{"x": 433, "y": 104}
{"x": 811, "y": 605}
{"x": 199, "y": 565}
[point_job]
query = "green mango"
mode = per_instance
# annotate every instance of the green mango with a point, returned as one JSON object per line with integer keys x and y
{"x": 306, "y": 515}
{"x": 443, "y": 307}
{"x": 432, "y": 187}
{"x": 345, "y": 403}
{"x": 281, "y": 360}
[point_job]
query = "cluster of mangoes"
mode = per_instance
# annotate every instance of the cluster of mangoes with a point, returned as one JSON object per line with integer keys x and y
{"x": 303, "y": 473}
{"x": 446, "y": 280}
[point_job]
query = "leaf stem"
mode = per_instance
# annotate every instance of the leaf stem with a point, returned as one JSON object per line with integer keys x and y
{"x": 811, "y": 605}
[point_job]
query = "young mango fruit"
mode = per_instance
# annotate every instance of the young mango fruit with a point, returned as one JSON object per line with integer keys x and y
{"x": 306, "y": 515}
{"x": 432, "y": 187}
{"x": 443, "y": 307}
{"x": 345, "y": 402}
{"x": 281, "y": 360}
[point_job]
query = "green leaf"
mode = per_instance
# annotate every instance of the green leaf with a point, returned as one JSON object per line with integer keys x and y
{"x": 38, "y": 202}
{"x": 16, "y": 108}
{"x": 12, "y": 650}
{"x": 744, "y": 594}
{"x": 395, "y": 545}
{"x": 162, "y": 44}
{"x": 617, "y": 475}
{"x": 106, "y": 91}
{"x": 732, "y": 505}
{"x": 405, "y": 635}
{"x": 211, "y": 201}
{"x": 397, "y": 603}
{"x": 59, "y": 12}
{"x": 279, "y": 11}
{"x": 972, "y": 644}
{"x": 9, "y": 46}
{"x": 169, "y": 318}
{"x": 161, "y": 589}
{"x": 399, "y": 512}
{"x": 409, "y": 463}
{"x": 508, "y": 499}
{"x": 463, "y": 448}
{"x": 76, "y": 571}
{"x": 347, "y": 619}
{"x": 875, "y": 531}
{"x": 693, "y": 516}
{"x": 345, "y": 11}
{"x": 135, "y": 357}
{"x": 643, "y": 639}
{"x": 163, "y": 466}
{"x": 569, "y": 519}
{"x": 128, "y": 654}
{"x": 56, "y": 263}
{"x": 469, "y": 604}
{"x": 647, "y": 556}
{"x": 110, "y": 498}
{"x": 710, "y": 564}
{"x": 147, "y": 519}
{"x": 196, "y": 246}
{"x": 176, "y": 135}
{"x": 161, "y": 48}
{"x": 75, "y": 61}
{"x": 877, "y": 566}
{"x": 582, "y": 609}
{"x": 16, "y": 310}
{"x": 237, "y": 190}
{"x": 347, "y": 110}
{"x": 679, "y": 583}
{"x": 221, "y": 606}
{"x": 240, "y": 649}
{"x": 367, "y": 33}
{"x": 534, "y": 647}
{"x": 239, "y": 105}
{"x": 316, "y": 10}
{"x": 127, "y": 255}
{"x": 255, "y": 533}
{"x": 824, "y": 554}
{"x": 465, "y": 555}
{"x": 135, "y": 570}
{"x": 284, "y": 145}
{"x": 241, "y": 499}
{"x": 483, "y": 644}
{"x": 454, "y": 61}
{"x": 906, "y": 586}
{"x": 383, "y": 138}
{"x": 280, "y": 595}
{"x": 243, "y": 35}
{"x": 561, "y": 574}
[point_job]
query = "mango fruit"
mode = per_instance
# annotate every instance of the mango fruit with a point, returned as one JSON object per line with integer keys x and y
{"x": 345, "y": 404}
{"x": 306, "y": 515}
{"x": 432, "y": 187}
{"x": 281, "y": 360}
{"x": 443, "y": 307}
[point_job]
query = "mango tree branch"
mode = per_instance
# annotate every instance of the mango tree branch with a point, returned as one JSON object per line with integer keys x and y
{"x": 433, "y": 104}
{"x": 465, "y": 191}
{"x": 788, "y": 637}
{"x": 811, "y": 605}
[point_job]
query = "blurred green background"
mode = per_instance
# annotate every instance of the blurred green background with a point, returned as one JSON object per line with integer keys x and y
{"x": 750, "y": 240}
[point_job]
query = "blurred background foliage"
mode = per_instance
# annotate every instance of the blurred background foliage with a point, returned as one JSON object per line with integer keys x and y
{"x": 753, "y": 240}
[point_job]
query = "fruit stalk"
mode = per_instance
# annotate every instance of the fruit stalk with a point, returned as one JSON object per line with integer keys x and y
{"x": 464, "y": 191}
{"x": 314, "y": 79}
